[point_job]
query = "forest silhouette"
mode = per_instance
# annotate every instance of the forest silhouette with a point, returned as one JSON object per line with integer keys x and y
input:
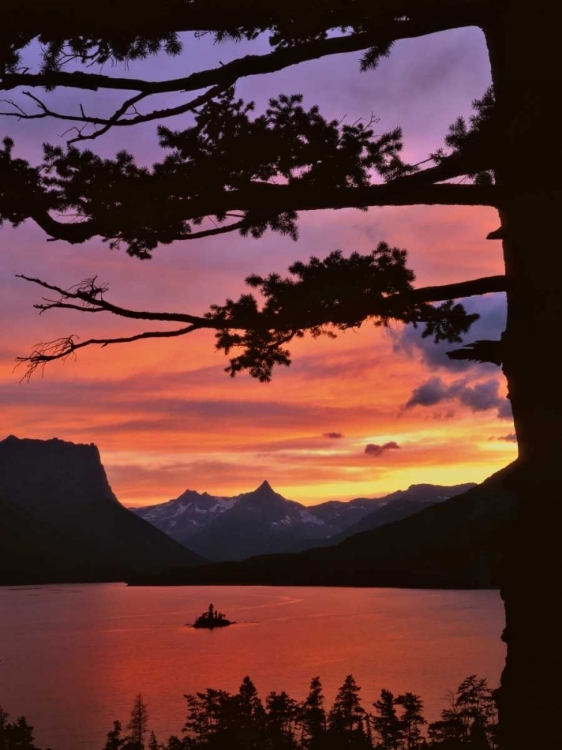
{"x": 218, "y": 720}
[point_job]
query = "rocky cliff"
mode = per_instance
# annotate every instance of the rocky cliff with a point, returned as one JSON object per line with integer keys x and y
{"x": 60, "y": 521}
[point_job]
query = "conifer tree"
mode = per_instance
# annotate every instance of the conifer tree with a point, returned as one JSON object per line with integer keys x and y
{"x": 175, "y": 743}
{"x": 114, "y": 740}
{"x": 17, "y": 735}
{"x": 313, "y": 716}
{"x": 411, "y": 720}
{"x": 386, "y": 722}
{"x": 346, "y": 720}
{"x": 509, "y": 158}
{"x": 251, "y": 710}
{"x": 281, "y": 718}
{"x": 208, "y": 714}
{"x": 3, "y": 726}
{"x": 138, "y": 723}
{"x": 470, "y": 717}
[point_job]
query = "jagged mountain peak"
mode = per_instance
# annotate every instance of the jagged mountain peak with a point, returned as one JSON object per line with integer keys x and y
{"x": 192, "y": 496}
{"x": 264, "y": 496}
{"x": 265, "y": 490}
{"x": 262, "y": 521}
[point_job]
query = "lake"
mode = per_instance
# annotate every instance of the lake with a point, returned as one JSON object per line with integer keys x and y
{"x": 73, "y": 657}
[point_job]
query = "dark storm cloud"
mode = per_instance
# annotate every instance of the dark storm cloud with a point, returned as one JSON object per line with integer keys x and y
{"x": 372, "y": 449}
{"x": 489, "y": 326}
{"x": 433, "y": 392}
{"x": 504, "y": 410}
{"x": 510, "y": 438}
{"x": 333, "y": 435}
{"x": 481, "y": 396}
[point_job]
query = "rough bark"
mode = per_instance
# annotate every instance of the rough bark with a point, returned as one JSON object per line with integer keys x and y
{"x": 523, "y": 45}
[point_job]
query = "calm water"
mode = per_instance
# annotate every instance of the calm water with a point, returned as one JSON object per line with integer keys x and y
{"x": 73, "y": 657}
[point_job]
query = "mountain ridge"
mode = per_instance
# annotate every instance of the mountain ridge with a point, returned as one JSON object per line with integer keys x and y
{"x": 262, "y": 521}
{"x": 454, "y": 544}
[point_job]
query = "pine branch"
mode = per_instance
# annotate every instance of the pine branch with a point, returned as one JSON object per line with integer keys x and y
{"x": 67, "y": 20}
{"x": 118, "y": 27}
{"x": 88, "y": 297}
{"x": 387, "y": 25}
{"x": 461, "y": 289}
{"x": 225, "y": 75}
{"x": 479, "y": 351}
{"x": 272, "y": 198}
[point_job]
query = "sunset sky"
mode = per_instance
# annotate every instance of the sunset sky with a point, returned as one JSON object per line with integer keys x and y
{"x": 368, "y": 413}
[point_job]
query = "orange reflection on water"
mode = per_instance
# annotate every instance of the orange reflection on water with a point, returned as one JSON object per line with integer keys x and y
{"x": 74, "y": 657}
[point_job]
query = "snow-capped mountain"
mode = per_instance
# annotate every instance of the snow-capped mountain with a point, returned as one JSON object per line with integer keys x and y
{"x": 183, "y": 517}
{"x": 264, "y": 522}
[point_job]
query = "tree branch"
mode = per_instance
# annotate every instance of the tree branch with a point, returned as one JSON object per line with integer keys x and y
{"x": 271, "y": 198}
{"x": 225, "y": 75}
{"x": 66, "y": 347}
{"x": 388, "y": 30}
{"x": 66, "y": 20}
{"x": 460, "y": 290}
{"x": 89, "y": 295}
{"x": 116, "y": 120}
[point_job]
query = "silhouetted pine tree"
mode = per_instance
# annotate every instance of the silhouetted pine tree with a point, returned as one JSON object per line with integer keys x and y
{"x": 386, "y": 722}
{"x": 313, "y": 717}
{"x": 207, "y": 715}
{"x": 138, "y": 725}
{"x": 114, "y": 740}
{"x": 470, "y": 718}
{"x": 346, "y": 720}
{"x": 251, "y": 716}
{"x": 282, "y": 716}
{"x": 17, "y": 735}
{"x": 411, "y": 720}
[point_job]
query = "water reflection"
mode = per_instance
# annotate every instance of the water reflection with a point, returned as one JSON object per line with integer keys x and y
{"x": 73, "y": 658}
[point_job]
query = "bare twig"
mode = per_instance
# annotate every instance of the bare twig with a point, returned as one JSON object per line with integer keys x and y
{"x": 66, "y": 347}
{"x": 118, "y": 119}
{"x": 91, "y": 296}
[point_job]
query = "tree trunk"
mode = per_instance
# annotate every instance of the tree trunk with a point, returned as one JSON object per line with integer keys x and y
{"x": 524, "y": 45}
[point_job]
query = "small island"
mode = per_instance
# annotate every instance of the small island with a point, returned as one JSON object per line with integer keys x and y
{"x": 211, "y": 619}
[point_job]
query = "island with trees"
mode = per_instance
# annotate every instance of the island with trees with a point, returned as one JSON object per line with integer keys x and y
{"x": 211, "y": 619}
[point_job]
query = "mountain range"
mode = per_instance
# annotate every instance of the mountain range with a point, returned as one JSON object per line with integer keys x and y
{"x": 60, "y": 521}
{"x": 264, "y": 522}
{"x": 456, "y": 543}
